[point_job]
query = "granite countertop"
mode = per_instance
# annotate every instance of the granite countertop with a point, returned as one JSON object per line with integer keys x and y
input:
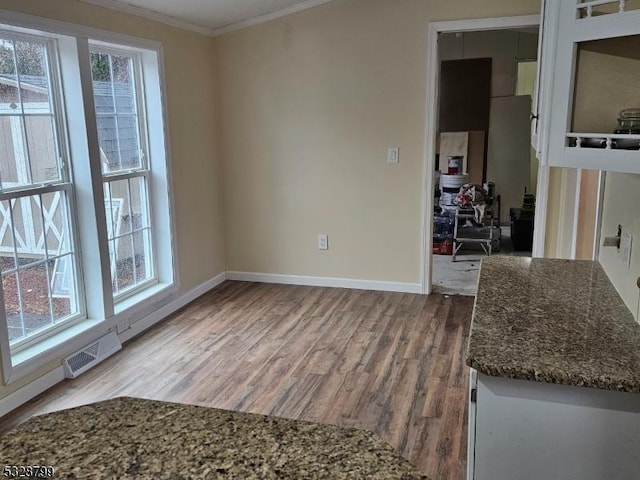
{"x": 554, "y": 321}
{"x": 134, "y": 438}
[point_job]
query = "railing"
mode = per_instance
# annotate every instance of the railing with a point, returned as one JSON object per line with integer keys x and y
{"x": 586, "y": 9}
{"x": 605, "y": 141}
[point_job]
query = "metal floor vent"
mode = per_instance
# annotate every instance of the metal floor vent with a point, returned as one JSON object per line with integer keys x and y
{"x": 91, "y": 355}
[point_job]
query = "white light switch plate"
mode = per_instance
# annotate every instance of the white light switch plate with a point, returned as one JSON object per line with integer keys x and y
{"x": 625, "y": 249}
{"x": 393, "y": 155}
{"x": 323, "y": 241}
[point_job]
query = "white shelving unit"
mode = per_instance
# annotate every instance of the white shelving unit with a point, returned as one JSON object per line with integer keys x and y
{"x": 566, "y": 24}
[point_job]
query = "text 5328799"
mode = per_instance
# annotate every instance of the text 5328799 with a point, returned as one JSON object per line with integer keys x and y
{"x": 28, "y": 471}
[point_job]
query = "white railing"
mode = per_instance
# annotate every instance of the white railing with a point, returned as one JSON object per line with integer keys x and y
{"x": 606, "y": 141}
{"x": 587, "y": 7}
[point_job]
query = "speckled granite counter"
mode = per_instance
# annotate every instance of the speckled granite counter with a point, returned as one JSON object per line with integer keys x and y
{"x": 555, "y": 321}
{"x": 134, "y": 438}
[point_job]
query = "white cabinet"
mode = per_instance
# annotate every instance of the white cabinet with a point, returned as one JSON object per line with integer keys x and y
{"x": 589, "y": 71}
{"x": 525, "y": 430}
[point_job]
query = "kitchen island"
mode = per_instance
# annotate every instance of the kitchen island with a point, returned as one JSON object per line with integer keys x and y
{"x": 555, "y": 374}
{"x": 135, "y": 438}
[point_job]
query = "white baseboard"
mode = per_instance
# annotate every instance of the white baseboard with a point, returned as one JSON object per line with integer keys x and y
{"x": 49, "y": 379}
{"x": 326, "y": 282}
{"x": 30, "y": 390}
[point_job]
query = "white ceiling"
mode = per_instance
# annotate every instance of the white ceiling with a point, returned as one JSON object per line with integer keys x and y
{"x": 209, "y": 16}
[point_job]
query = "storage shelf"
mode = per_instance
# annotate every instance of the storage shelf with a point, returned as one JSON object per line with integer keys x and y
{"x": 610, "y": 141}
{"x": 627, "y": 161}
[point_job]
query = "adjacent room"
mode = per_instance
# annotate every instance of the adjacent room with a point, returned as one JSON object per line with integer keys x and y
{"x": 487, "y": 84}
{"x": 295, "y": 239}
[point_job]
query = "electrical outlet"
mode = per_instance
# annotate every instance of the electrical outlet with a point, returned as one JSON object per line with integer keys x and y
{"x": 122, "y": 325}
{"x": 323, "y": 241}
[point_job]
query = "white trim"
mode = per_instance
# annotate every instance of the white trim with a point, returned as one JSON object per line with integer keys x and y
{"x": 433, "y": 70}
{"x": 325, "y": 282}
{"x": 540, "y": 219}
{"x": 123, "y": 7}
{"x": 431, "y": 127}
{"x": 267, "y": 17}
{"x": 602, "y": 177}
{"x": 151, "y": 15}
{"x": 479, "y": 24}
{"x": 20, "y": 22}
{"x": 48, "y": 380}
{"x": 576, "y": 215}
{"x": 31, "y": 390}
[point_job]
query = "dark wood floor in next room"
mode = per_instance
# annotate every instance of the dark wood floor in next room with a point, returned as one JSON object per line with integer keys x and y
{"x": 392, "y": 363}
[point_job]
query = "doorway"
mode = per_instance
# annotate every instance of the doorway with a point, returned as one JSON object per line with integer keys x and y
{"x": 488, "y": 146}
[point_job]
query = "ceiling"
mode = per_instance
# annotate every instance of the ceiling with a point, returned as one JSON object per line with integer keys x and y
{"x": 209, "y": 16}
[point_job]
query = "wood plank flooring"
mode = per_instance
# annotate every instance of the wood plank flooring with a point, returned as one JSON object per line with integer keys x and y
{"x": 392, "y": 363}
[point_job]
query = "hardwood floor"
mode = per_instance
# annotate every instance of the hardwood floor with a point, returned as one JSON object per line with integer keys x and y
{"x": 392, "y": 363}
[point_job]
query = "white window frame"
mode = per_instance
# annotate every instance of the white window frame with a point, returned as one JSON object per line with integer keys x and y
{"x": 104, "y": 313}
{"x": 64, "y": 184}
{"x": 144, "y": 171}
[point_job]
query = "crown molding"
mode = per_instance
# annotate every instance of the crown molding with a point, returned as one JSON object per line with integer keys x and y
{"x": 283, "y": 12}
{"x": 124, "y": 7}
{"x": 151, "y": 15}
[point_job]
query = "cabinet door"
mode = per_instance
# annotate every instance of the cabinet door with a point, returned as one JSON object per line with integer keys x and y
{"x": 529, "y": 430}
{"x": 544, "y": 78}
{"x": 471, "y": 439}
{"x": 595, "y": 72}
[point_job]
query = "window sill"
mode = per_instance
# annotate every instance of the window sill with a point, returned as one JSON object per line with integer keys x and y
{"x": 148, "y": 298}
{"x": 55, "y": 348}
{"x": 48, "y": 350}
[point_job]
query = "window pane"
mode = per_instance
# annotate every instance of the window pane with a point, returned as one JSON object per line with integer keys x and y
{"x": 27, "y": 223}
{"x": 118, "y": 207}
{"x": 63, "y": 286}
{"x": 8, "y": 90}
{"x": 114, "y": 95}
{"x": 112, "y": 263}
{"x": 143, "y": 256}
{"x": 57, "y": 223}
{"x": 12, "y": 307}
{"x": 29, "y": 149}
{"x": 40, "y": 286}
{"x": 35, "y": 308}
{"x": 42, "y": 148}
{"x": 33, "y": 73}
{"x": 125, "y": 263}
{"x": 7, "y": 252}
{"x": 139, "y": 207}
{"x": 14, "y": 167}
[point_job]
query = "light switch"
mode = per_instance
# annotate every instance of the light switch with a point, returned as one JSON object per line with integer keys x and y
{"x": 393, "y": 155}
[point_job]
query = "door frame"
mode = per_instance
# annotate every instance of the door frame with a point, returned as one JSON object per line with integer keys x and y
{"x": 431, "y": 121}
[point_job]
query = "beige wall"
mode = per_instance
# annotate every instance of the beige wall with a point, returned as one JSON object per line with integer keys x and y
{"x": 606, "y": 84}
{"x": 587, "y": 214}
{"x": 620, "y": 207}
{"x": 560, "y": 212}
{"x": 504, "y": 47}
{"x": 190, "y": 86}
{"x": 310, "y": 103}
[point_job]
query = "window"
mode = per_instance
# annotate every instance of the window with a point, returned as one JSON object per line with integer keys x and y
{"x": 37, "y": 255}
{"x": 85, "y": 226}
{"x": 123, "y": 155}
